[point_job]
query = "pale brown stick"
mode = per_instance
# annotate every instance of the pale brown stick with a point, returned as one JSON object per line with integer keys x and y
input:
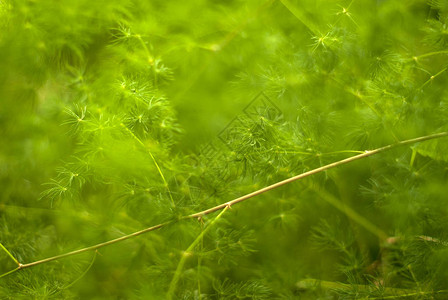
{"x": 315, "y": 171}
{"x": 94, "y": 247}
{"x": 237, "y": 200}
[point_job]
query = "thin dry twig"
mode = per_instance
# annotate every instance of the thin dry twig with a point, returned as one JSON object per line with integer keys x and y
{"x": 228, "y": 204}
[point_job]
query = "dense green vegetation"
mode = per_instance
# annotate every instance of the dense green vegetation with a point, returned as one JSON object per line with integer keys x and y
{"x": 116, "y": 116}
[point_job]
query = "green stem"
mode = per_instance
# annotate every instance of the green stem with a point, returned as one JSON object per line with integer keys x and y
{"x": 432, "y": 78}
{"x": 218, "y": 46}
{"x": 361, "y": 98}
{"x": 345, "y": 11}
{"x": 301, "y": 16}
{"x": 200, "y": 260}
{"x": 231, "y": 35}
{"x": 414, "y": 154}
{"x": 150, "y": 57}
{"x": 10, "y": 272}
{"x": 187, "y": 253}
{"x": 83, "y": 273}
{"x": 80, "y": 277}
{"x": 9, "y": 254}
{"x": 154, "y": 160}
{"x": 350, "y": 213}
{"x": 429, "y": 54}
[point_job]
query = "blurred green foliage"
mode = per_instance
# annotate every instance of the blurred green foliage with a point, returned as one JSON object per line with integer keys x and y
{"x": 119, "y": 115}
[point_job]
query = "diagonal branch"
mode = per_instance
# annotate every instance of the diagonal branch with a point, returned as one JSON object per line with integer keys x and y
{"x": 318, "y": 170}
{"x": 228, "y": 204}
{"x": 9, "y": 254}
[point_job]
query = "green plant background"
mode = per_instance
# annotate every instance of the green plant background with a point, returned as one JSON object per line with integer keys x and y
{"x": 119, "y": 115}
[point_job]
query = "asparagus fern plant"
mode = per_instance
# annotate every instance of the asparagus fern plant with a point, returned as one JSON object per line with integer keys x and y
{"x": 133, "y": 132}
